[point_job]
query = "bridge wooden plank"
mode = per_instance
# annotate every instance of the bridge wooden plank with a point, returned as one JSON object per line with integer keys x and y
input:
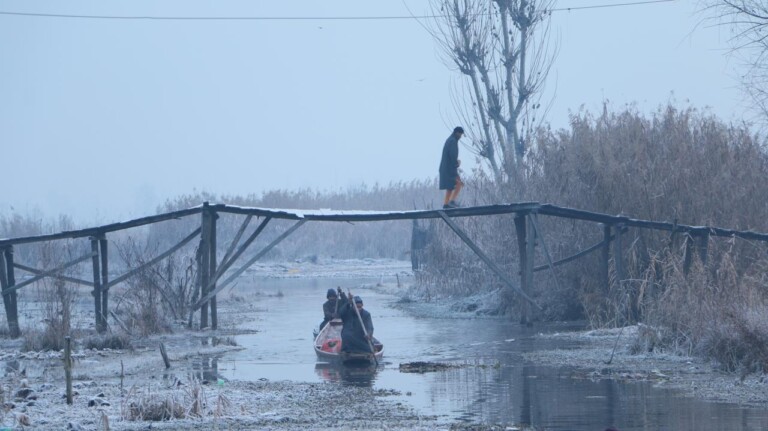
{"x": 95, "y": 231}
{"x": 50, "y": 272}
{"x": 56, "y": 276}
{"x": 363, "y": 216}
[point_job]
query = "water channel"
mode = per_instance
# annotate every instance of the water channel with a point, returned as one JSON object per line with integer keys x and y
{"x": 496, "y": 386}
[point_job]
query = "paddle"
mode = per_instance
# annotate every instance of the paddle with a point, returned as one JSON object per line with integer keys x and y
{"x": 365, "y": 332}
{"x": 336, "y": 306}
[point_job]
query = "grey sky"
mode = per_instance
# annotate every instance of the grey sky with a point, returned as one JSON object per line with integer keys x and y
{"x": 105, "y": 119}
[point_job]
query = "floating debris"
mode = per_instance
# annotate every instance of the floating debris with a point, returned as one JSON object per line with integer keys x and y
{"x": 424, "y": 367}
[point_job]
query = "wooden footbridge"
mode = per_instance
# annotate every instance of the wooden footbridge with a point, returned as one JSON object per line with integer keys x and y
{"x": 212, "y": 271}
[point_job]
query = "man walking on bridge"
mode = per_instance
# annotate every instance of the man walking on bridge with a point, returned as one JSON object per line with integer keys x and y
{"x": 449, "y": 169}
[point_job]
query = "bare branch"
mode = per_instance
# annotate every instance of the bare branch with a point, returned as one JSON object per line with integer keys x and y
{"x": 503, "y": 50}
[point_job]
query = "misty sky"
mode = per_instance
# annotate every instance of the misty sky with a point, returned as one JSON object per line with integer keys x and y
{"x": 104, "y": 119}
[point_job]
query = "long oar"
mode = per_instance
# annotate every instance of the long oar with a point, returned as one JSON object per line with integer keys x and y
{"x": 336, "y": 306}
{"x": 365, "y": 332}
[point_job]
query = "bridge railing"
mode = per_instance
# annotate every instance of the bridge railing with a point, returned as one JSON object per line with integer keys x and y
{"x": 212, "y": 270}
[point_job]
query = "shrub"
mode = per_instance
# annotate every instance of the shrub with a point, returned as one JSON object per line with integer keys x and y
{"x": 114, "y": 342}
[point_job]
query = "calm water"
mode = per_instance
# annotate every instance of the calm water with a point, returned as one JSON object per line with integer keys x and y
{"x": 498, "y": 387}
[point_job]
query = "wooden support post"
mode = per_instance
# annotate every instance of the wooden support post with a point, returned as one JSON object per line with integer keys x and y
{"x": 104, "y": 279}
{"x": 673, "y": 236}
{"x": 212, "y": 268}
{"x": 204, "y": 268}
{"x": 704, "y": 247}
{"x": 525, "y": 244}
{"x": 521, "y": 249}
{"x": 197, "y": 286}
{"x": 688, "y": 259}
{"x": 100, "y": 327}
{"x": 537, "y": 232}
{"x": 8, "y": 281}
{"x": 164, "y": 354}
{"x": 618, "y": 256}
{"x": 530, "y": 253}
{"x": 68, "y": 368}
{"x": 606, "y": 258}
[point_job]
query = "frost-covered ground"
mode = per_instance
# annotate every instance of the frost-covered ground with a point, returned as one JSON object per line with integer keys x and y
{"x": 607, "y": 354}
{"x": 114, "y": 387}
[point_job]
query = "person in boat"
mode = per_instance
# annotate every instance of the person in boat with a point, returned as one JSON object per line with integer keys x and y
{"x": 353, "y": 338}
{"x": 330, "y": 310}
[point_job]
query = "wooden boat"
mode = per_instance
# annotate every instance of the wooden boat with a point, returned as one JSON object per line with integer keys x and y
{"x": 328, "y": 347}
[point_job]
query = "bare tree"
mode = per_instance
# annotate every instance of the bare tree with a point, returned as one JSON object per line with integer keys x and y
{"x": 503, "y": 48}
{"x": 748, "y": 20}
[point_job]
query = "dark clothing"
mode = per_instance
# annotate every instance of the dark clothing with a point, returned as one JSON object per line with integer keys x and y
{"x": 449, "y": 164}
{"x": 329, "y": 312}
{"x": 352, "y": 335}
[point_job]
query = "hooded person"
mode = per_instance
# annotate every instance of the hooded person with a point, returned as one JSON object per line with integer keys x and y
{"x": 330, "y": 307}
{"x": 353, "y": 337}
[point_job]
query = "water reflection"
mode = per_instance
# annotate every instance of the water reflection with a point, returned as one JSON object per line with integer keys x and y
{"x": 350, "y": 374}
{"x": 203, "y": 369}
{"x": 492, "y": 384}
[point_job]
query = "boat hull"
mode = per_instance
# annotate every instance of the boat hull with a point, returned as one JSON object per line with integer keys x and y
{"x": 328, "y": 347}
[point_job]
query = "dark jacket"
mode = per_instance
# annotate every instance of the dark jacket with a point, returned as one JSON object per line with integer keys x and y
{"x": 352, "y": 335}
{"x": 449, "y": 163}
{"x": 329, "y": 312}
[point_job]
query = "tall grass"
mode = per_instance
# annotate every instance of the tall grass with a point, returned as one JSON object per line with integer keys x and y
{"x": 56, "y": 299}
{"x": 676, "y": 165}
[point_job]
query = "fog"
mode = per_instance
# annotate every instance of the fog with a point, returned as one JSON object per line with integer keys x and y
{"x": 104, "y": 119}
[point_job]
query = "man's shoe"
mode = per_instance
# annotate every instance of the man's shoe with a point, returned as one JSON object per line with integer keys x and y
{"x": 447, "y": 206}
{"x": 454, "y": 204}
